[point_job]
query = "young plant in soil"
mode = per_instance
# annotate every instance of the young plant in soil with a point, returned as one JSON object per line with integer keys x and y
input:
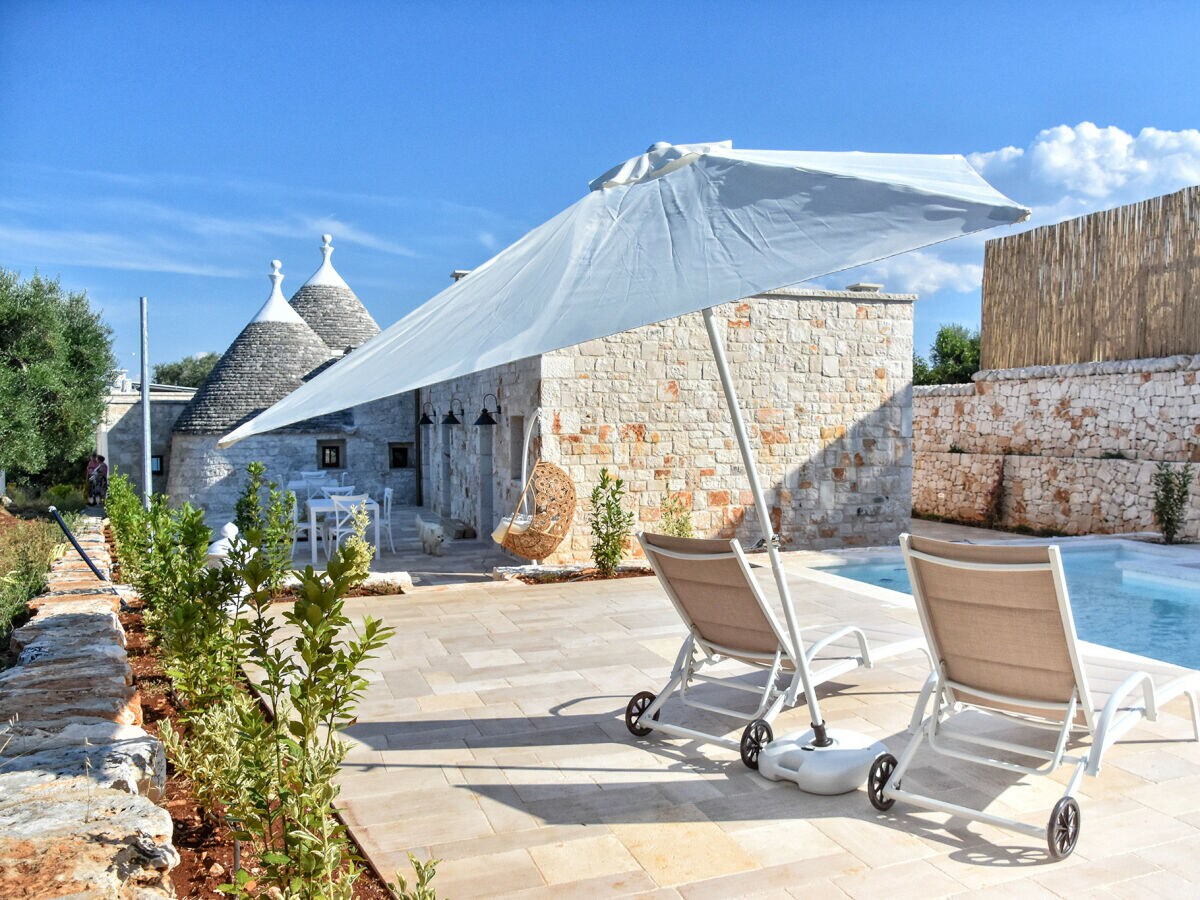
{"x": 1171, "y": 490}
{"x": 610, "y": 522}
{"x": 310, "y": 679}
{"x": 273, "y": 521}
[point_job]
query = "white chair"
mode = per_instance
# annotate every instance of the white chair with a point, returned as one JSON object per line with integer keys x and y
{"x": 299, "y": 525}
{"x": 340, "y": 523}
{"x": 385, "y": 521}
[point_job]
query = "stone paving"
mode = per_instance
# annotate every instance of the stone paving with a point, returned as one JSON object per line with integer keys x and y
{"x": 492, "y": 739}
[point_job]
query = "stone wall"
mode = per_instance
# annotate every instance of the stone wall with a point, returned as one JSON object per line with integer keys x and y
{"x": 204, "y": 475}
{"x": 120, "y": 434}
{"x": 462, "y": 479}
{"x": 79, "y": 776}
{"x": 824, "y": 375}
{"x": 1078, "y": 444}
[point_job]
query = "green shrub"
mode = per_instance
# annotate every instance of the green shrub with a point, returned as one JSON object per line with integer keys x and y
{"x": 1171, "y": 490}
{"x": 26, "y": 550}
{"x": 271, "y": 521}
{"x": 677, "y": 518}
{"x": 610, "y": 522}
{"x": 130, "y": 526}
{"x": 421, "y": 890}
{"x": 312, "y": 682}
{"x": 31, "y": 500}
{"x": 272, "y": 777}
{"x": 357, "y": 551}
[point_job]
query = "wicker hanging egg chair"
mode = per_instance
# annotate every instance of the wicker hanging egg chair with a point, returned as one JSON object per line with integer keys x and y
{"x": 551, "y": 495}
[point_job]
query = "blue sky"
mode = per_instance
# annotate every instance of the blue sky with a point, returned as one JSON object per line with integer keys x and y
{"x": 173, "y": 149}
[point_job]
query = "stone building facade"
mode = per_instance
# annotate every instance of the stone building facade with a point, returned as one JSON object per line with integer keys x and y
{"x": 825, "y": 379}
{"x": 119, "y": 437}
{"x": 1070, "y": 449}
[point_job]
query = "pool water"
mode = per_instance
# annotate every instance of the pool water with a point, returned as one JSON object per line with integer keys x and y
{"x": 1116, "y": 597}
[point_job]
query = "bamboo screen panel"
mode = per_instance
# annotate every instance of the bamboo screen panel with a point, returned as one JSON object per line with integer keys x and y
{"x": 1118, "y": 284}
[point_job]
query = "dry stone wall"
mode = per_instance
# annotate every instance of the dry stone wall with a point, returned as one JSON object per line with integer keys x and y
{"x": 79, "y": 776}
{"x": 1070, "y": 449}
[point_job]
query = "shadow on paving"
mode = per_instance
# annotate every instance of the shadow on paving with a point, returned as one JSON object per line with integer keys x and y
{"x": 581, "y": 789}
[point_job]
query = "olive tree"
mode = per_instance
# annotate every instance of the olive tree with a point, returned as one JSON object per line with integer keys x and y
{"x": 56, "y": 366}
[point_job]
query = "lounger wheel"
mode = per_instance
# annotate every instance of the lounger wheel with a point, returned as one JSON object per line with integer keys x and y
{"x": 1063, "y": 831}
{"x": 638, "y": 704}
{"x": 881, "y": 771}
{"x": 755, "y": 736}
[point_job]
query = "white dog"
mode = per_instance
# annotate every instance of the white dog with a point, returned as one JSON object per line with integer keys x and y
{"x": 433, "y": 536}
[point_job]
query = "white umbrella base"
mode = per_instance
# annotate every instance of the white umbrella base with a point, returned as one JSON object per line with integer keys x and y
{"x": 837, "y": 769}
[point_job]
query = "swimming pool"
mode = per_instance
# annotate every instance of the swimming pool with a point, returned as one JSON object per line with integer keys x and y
{"x": 1140, "y": 598}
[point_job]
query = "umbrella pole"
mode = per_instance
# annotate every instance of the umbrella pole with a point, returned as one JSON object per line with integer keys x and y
{"x": 820, "y": 738}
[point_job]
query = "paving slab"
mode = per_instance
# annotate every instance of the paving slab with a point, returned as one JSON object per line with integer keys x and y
{"x": 493, "y": 738}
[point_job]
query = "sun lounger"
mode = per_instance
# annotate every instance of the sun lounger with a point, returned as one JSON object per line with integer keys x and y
{"x": 998, "y": 621}
{"x": 729, "y": 618}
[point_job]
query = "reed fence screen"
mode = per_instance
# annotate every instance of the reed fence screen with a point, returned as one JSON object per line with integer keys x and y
{"x": 1119, "y": 284}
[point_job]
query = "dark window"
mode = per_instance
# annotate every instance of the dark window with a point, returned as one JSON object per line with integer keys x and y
{"x": 330, "y": 454}
{"x": 400, "y": 455}
{"x": 156, "y": 465}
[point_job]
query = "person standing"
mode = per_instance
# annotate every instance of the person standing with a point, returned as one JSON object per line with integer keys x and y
{"x": 92, "y": 463}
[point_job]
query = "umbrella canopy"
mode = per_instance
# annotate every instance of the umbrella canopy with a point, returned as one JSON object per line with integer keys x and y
{"x": 677, "y": 229}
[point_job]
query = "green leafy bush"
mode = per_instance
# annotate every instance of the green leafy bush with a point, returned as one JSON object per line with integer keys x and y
{"x": 421, "y": 890}
{"x": 130, "y": 526}
{"x": 271, "y": 521}
{"x": 357, "y": 551}
{"x": 312, "y": 682}
{"x": 26, "y": 550}
{"x": 1171, "y": 490}
{"x": 270, "y": 776}
{"x": 610, "y": 522}
{"x": 677, "y": 518}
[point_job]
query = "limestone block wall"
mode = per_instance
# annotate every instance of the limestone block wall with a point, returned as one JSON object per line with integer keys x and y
{"x": 1078, "y": 444}
{"x": 120, "y": 434}
{"x": 826, "y": 376}
{"x": 461, "y": 464}
{"x": 203, "y": 475}
{"x": 1145, "y": 409}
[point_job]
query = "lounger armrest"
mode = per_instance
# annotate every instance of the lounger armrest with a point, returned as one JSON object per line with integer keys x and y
{"x": 863, "y": 646}
{"x": 1111, "y": 724}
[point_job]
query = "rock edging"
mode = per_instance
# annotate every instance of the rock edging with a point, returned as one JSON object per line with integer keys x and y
{"x": 79, "y": 776}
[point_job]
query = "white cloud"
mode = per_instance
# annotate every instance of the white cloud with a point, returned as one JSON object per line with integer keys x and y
{"x": 1064, "y": 172}
{"x": 1096, "y": 167}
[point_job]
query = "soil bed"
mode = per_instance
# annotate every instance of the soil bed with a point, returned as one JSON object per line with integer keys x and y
{"x": 205, "y": 848}
{"x": 593, "y": 574}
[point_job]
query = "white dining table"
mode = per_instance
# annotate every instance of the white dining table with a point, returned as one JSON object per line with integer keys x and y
{"x": 324, "y": 506}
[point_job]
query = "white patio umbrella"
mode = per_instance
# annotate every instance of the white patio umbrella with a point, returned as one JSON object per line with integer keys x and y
{"x": 678, "y": 229}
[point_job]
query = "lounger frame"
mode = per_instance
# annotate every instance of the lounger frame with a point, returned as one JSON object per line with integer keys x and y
{"x": 777, "y": 691}
{"x": 1121, "y": 712}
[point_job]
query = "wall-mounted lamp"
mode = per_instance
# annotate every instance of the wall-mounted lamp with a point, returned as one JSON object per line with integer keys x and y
{"x": 425, "y": 411}
{"x": 485, "y": 417}
{"x": 450, "y": 418}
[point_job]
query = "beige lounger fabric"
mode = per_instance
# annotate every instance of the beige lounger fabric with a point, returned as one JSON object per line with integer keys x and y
{"x": 715, "y": 595}
{"x": 981, "y": 642}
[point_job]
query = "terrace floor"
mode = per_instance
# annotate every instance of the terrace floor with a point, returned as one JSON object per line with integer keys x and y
{"x": 492, "y": 738}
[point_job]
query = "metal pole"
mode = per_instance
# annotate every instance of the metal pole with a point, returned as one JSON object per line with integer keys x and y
{"x": 820, "y": 739}
{"x": 147, "y": 487}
